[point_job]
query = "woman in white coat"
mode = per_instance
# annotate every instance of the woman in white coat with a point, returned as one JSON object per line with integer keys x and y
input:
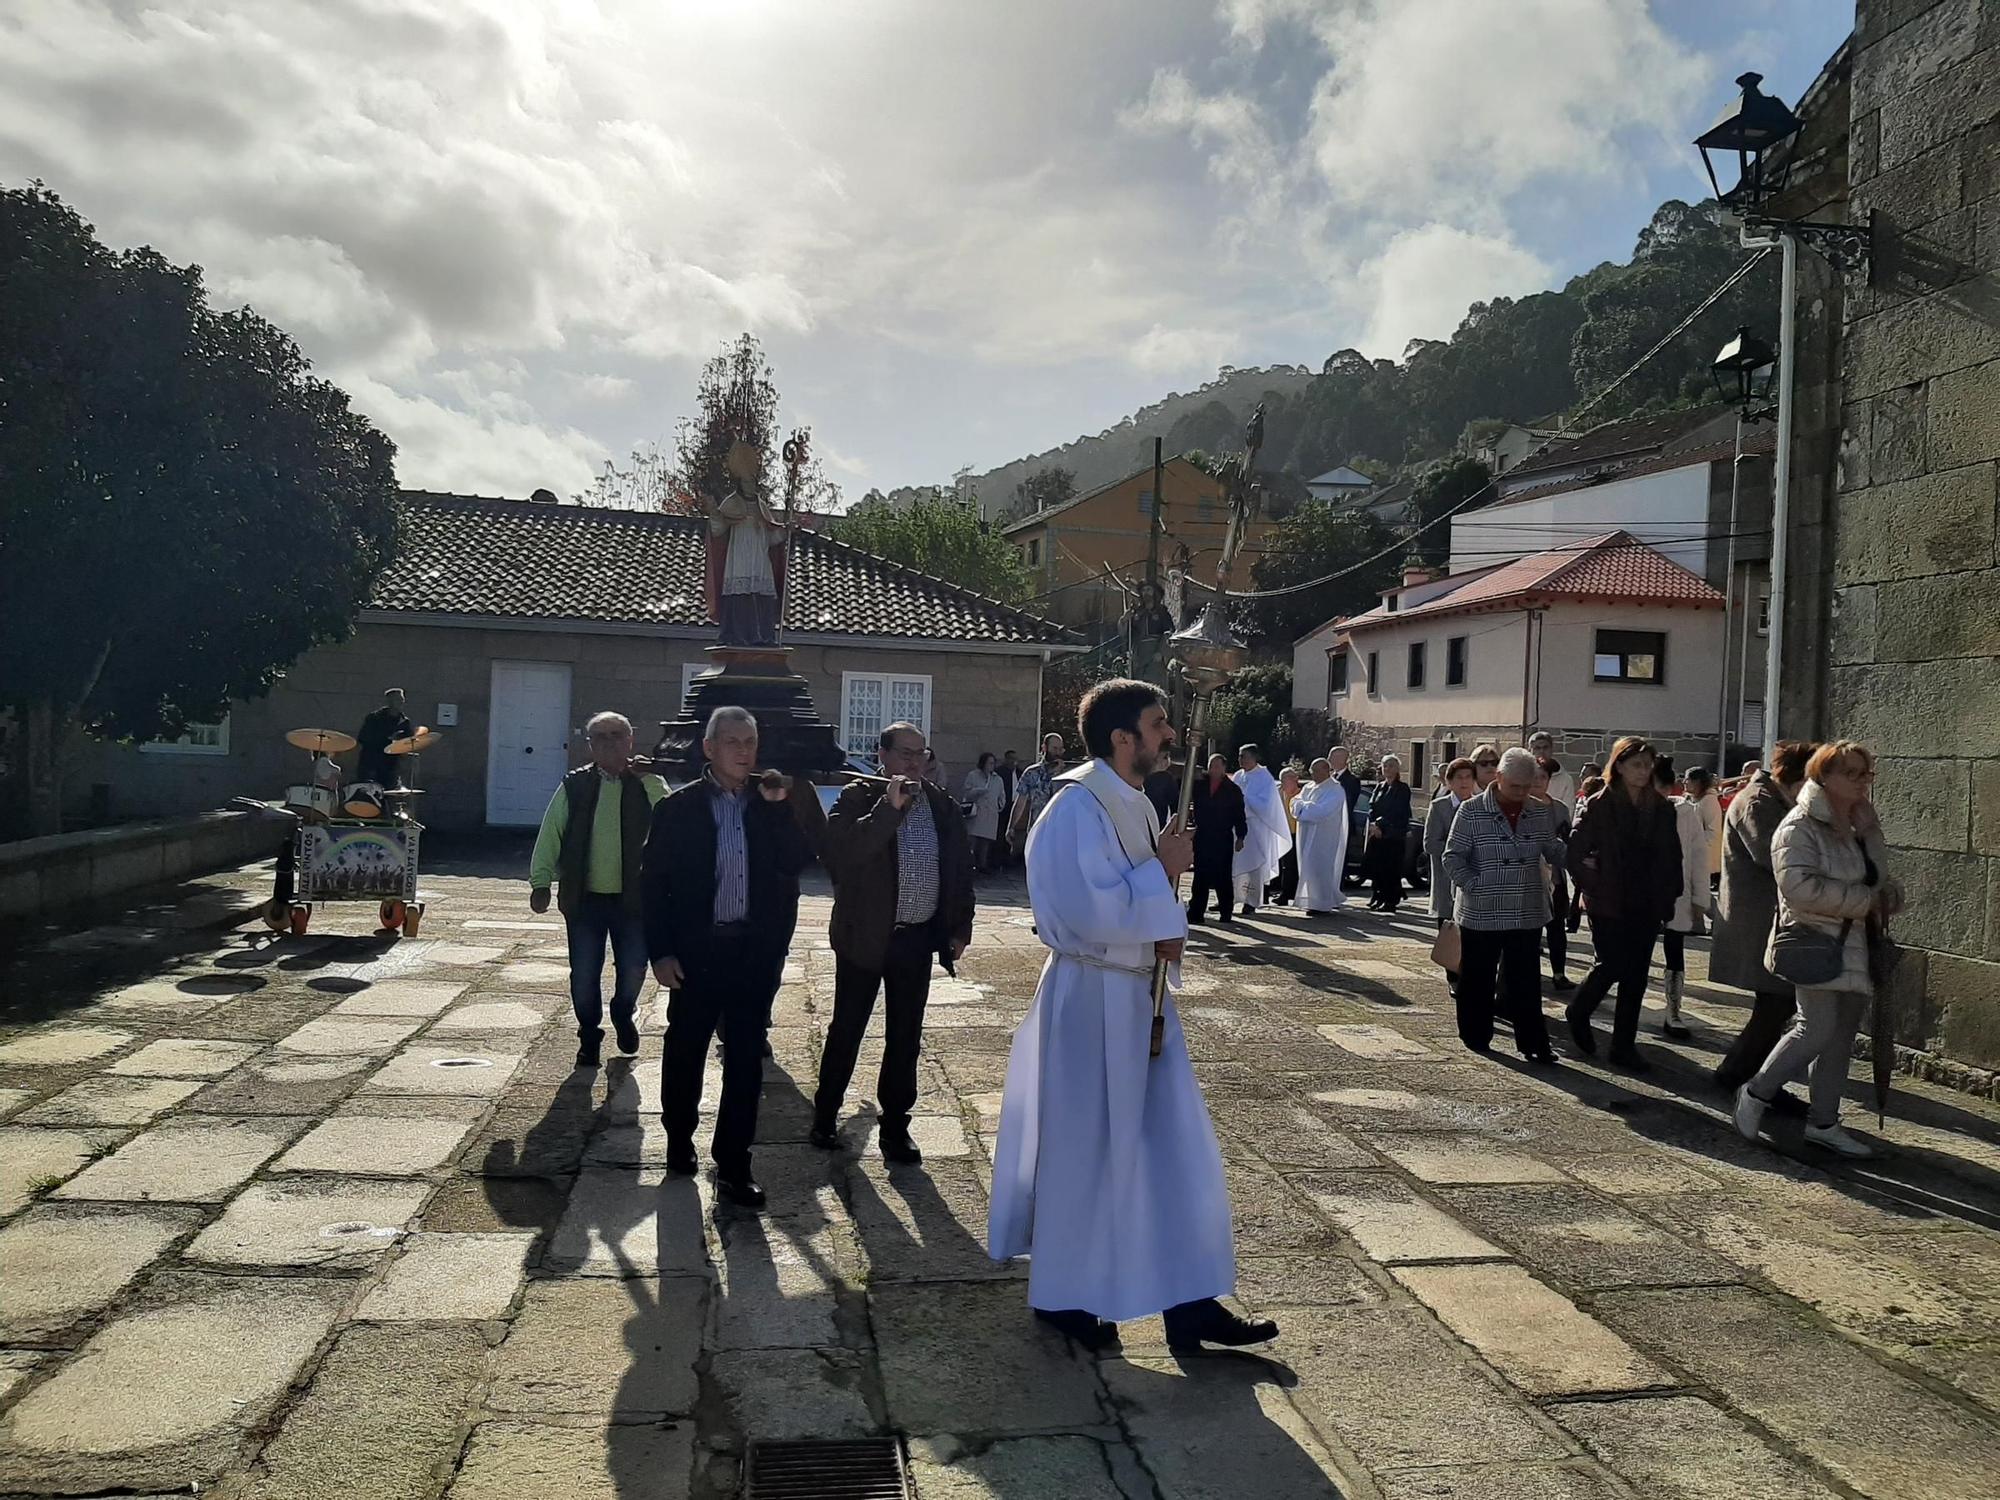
{"x": 1691, "y": 910}
{"x": 1833, "y": 878}
{"x": 983, "y": 793}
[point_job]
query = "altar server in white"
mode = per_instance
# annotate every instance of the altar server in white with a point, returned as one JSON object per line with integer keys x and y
{"x": 1321, "y": 810}
{"x": 1270, "y": 836}
{"x": 1107, "y": 1174}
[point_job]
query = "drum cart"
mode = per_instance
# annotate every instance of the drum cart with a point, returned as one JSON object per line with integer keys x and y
{"x": 357, "y": 859}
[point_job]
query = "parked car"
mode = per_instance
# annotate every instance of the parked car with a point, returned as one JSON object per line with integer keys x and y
{"x": 1416, "y": 869}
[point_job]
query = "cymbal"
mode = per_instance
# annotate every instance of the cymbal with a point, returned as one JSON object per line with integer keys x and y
{"x": 415, "y": 744}
{"x": 321, "y": 741}
{"x": 402, "y": 791}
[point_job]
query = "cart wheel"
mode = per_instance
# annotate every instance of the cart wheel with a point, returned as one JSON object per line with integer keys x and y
{"x": 391, "y": 913}
{"x": 301, "y": 915}
{"x": 413, "y": 916}
{"x": 277, "y": 915}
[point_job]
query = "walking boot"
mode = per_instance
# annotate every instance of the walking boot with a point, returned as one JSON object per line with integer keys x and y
{"x": 1676, "y": 983}
{"x": 1087, "y": 1329}
{"x": 1192, "y": 1324}
{"x": 1579, "y": 1029}
{"x": 628, "y": 1034}
{"x": 587, "y": 1044}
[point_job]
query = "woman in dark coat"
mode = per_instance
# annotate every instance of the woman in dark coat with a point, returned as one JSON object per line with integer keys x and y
{"x": 1749, "y": 907}
{"x": 1625, "y": 856}
{"x": 1388, "y": 835}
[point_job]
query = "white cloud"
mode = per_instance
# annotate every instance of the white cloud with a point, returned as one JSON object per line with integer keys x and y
{"x": 1425, "y": 278}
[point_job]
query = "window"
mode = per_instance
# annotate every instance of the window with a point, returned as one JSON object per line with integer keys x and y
{"x": 1454, "y": 661}
{"x": 1374, "y": 674}
{"x": 1631, "y": 656}
{"x": 1751, "y": 730}
{"x": 1448, "y": 752}
{"x": 1417, "y": 770}
{"x": 869, "y": 700}
{"x": 1145, "y": 502}
{"x": 211, "y": 738}
{"x": 1336, "y": 673}
{"x": 1763, "y": 611}
{"x": 1034, "y": 552}
{"x": 1419, "y": 651}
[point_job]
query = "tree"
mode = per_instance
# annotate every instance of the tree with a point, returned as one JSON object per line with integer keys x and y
{"x": 184, "y": 510}
{"x": 940, "y": 537}
{"x": 650, "y": 481}
{"x": 1252, "y": 710}
{"x": 1043, "y": 488}
{"x": 1312, "y": 542}
{"x": 737, "y": 399}
{"x": 1440, "y": 490}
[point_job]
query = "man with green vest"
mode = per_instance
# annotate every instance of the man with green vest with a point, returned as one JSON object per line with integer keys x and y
{"x": 589, "y": 847}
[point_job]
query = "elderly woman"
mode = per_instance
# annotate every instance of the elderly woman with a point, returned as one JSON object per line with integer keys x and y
{"x": 982, "y": 794}
{"x": 1748, "y": 907}
{"x": 1281, "y": 891}
{"x": 1833, "y": 879}
{"x": 1388, "y": 835}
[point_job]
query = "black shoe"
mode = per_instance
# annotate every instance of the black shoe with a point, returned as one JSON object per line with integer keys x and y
{"x": 586, "y": 1051}
{"x": 897, "y": 1147}
{"x": 1562, "y": 984}
{"x": 767, "y": 1048}
{"x": 825, "y": 1137}
{"x": 1249, "y": 911}
{"x": 1629, "y": 1059}
{"x": 743, "y": 1192}
{"x": 1545, "y": 1058}
{"x": 628, "y": 1035}
{"x": 1675, "y": 1030}
{"x": 1087, "y": 1329}
{"x": 682, "y": 1159}
{"x": 1579, "y": 1031}
{"x": 1200, "y": 921}
{"x": 1193, "y": 1324}
{"x": 1789, "y": 1103}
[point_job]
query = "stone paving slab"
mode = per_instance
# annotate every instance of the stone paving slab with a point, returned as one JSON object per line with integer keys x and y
{"x": 376, "y": 1145}
{"x": 165, "y": 1395}
{"x": 328, "y": 1223}
{"x": 12, "y": 1099}
{"x": 188, "y": 1159}
{"x": 1390, "y": 1222}
{"x": 415, "y": 1070}
{"x": 779, "y": 1395}
{"x": 622, "y": 1222}
{"x": 496, "y": 1015}
{"x": 445, "y": 1276}
{"x": 1217, "y": 1429}
{"x": 61, "y": 1045}
{"x": 1584, "y": 1240}
{"x": 591, "y": 1346}
{"x": 1462, "y": 1159}
{"x": 33, "y": 1159}
{"x": 65, "y": 1261}
{"x": 284, "y": 1085}
{"x": 968, "y": 1358}
{"x": 110, "y": 1101}
{"x": 333, "y": 1037}
{"x": 1531, "y": 1333}
{"x": 514, "y": 1460}
{"x": 398, "y": 997}
{"x": 186, "y": 1057}
{"x": 1076, "y": 1468}
{"x": 1682, "y": 1448}
{"x": 1575, "y": 1481}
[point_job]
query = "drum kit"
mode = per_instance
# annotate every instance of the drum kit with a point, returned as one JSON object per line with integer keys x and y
{"x": 322, "y": 797}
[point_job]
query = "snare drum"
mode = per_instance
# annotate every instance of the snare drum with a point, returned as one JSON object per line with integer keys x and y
{"x": 362, "y": 799}
{"x": 313, "y": 803}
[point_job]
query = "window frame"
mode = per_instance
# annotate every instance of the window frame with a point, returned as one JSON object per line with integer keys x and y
{"x": 1764, "y": 611}
{"x": 885, "y": 679}
{"x": 186, "y": 746}
{"x": 1623, "y": 677}
{"x": 1345, "y": 658}
{"x": 1417, "y": 667}
{"x": 1464, "y": 645}
{"x": 1375, "y": 673}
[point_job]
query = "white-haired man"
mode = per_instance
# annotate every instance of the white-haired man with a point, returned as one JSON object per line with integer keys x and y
{"x": 589, "y": 848}
{"x": 721, "y": 884}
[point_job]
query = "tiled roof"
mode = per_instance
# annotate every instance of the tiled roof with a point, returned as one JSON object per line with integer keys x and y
{"x": 1342, "y": 475}
{"x": 1760, "y": 440}
{"x": 1610, "y": 439}
{"x": 517, "y": 559}
{"x": 1614, "y": 568}
{"x": 1036, "y": 517}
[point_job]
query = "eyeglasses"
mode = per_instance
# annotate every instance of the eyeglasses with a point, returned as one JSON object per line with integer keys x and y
{"x": 1488, "y": 764}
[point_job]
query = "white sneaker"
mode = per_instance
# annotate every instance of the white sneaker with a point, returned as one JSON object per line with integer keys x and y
{"x": 1836, "y": 1139}
{"x": 1749, "y": 1113}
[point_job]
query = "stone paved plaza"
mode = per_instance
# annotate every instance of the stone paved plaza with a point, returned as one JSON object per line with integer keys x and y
{"x": 332, "y": 1217}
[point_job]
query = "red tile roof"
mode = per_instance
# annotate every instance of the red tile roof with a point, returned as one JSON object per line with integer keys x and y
{"x": 1614, "y": 568}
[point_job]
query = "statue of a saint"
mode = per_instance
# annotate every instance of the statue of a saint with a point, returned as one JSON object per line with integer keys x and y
{"x": 746, "y": 555}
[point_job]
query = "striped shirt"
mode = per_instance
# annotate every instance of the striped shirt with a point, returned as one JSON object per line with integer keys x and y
{"x": 916, "y": 863}
{"x": 732, "y": 853}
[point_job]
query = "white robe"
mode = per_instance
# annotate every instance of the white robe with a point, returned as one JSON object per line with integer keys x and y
{"x": 1126, "y": 1212}
{"x": 1322, "y": 813}
{"x": 1269, "y": 838}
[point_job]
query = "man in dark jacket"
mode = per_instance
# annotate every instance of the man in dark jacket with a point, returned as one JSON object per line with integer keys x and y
{"x": 720, "y": 878}
{"x": 589, "y": 849}
{"x": 902, "y": 894}
{"x": 1220, "y": 826}
{"x": 378, "y": 731}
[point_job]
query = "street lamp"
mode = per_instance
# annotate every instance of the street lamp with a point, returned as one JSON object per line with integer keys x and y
{"x": 1750, "y": 125}
{"x": 1742, "y": 373}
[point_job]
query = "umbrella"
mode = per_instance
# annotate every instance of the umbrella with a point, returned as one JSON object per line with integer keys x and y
{"x": 1883, "y": 956}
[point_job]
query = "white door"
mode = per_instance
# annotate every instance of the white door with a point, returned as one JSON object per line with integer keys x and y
{"x": 527, "y": 740}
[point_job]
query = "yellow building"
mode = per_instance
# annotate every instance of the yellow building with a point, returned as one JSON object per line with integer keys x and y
{"x": 1087, "y": 556}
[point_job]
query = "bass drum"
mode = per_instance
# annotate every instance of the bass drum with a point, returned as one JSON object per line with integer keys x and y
{"x": 362, "y": 799}
{"x": 313, "y": 803}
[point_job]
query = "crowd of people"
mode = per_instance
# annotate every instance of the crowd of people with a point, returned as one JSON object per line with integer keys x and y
{"x": 700, "y": 885}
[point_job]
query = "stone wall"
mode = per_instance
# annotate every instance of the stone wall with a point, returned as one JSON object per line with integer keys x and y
{"x": 1915, "y": 647}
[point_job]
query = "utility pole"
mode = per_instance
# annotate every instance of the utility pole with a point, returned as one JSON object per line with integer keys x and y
{"x": 1153, "y": 524}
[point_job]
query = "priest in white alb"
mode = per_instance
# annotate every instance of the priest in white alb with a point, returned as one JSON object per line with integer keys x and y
{"x": 1107, "y": 1175}
{"x": 1321, "y": 811}
{"x": 1270, "y": 836}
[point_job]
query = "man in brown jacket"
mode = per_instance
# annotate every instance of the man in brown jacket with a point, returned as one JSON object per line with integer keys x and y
{"x": 902, "y": 893}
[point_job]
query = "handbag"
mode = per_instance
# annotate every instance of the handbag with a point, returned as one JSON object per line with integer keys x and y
{"x": 1802, "y": 955}
{"x": 1447, "y": 952}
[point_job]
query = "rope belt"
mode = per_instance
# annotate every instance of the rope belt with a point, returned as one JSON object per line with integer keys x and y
{"x": 1145, "y": 973}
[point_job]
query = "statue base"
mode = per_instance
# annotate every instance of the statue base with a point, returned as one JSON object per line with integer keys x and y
{"x": 791, "y": 736}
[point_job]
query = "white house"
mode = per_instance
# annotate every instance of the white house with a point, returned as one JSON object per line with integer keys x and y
{"x": 1591, "y": 641}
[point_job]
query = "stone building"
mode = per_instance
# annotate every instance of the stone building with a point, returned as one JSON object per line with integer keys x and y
{"x": 1893, "y": 615}
{"x": 509, "y": 622}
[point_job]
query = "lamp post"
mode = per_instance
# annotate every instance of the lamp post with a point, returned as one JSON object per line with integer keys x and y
{"x": 1742, "y": 373}
{"x": 1752, "y": 127}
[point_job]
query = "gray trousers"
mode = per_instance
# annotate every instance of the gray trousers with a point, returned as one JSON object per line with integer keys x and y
{"x": 1822, "y": 1040}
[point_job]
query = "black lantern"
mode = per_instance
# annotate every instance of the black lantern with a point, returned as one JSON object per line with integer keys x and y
{"x": 1750, "y": 125}
{"x": 1744, "y": 368}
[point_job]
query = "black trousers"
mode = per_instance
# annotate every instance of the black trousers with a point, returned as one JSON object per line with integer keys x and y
{"x": 1624, "y": 958}
{"x": 1770, "y": 1018}
{"x": 1503, "y": 971}
{"x": 1212, "y": 873}
{"x": 1558, "y": 929}
{"x": 905, "y": 980}
{"x": 1673, "y": 950}
{"x": 731, "y": 991}
{"x": 1385, "y": 865}
{"x": 1285, "y": 888}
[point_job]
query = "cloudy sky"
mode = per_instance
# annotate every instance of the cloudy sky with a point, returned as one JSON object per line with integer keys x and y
{"x": 964, "y": 229}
